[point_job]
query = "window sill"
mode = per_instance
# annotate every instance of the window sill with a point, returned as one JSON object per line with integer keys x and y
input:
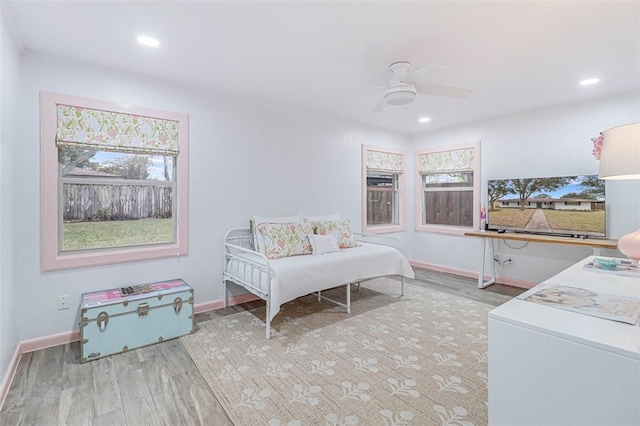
{"x": 443, "y": 229}
{"x": 74, "y": 260}
{"x": 382, "y": 229}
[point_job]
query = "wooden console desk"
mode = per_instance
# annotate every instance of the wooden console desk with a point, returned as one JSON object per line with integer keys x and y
{"x": 487, "y": 236}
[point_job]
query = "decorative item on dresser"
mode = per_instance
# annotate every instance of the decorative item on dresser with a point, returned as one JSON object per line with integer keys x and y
{"x": 619, "y": 160}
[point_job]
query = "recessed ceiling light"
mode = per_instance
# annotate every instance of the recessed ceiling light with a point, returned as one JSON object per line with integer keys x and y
{"x": 589, "y": 81}
{"x": 424, "y": 119}
{"x": 148, "y": 41}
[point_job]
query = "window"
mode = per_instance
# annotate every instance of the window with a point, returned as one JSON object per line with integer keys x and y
{"x": 114, "y": 183}
{"x": 447, "y": 189}
{"x": 383, "y": 190}
{"x": 382, "y": 198}
{"x": 115, "y": 199}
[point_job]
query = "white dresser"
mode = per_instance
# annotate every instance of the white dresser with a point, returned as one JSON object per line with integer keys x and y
{"x": 549, "y": 366}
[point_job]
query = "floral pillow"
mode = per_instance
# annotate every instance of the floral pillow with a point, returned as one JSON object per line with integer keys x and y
{"x": 341, "y": 227}
{"x": 286, "y": 239}
{"x": 258, "y": 239}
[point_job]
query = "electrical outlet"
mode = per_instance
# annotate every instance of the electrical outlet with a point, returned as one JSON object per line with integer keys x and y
{"x": 63, "y": 302}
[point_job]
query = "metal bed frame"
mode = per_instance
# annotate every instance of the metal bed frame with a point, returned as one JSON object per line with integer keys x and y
{"x": 237, "y": 245}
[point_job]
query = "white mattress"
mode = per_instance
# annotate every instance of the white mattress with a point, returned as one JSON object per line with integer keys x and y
{"x": 292, "y": 277}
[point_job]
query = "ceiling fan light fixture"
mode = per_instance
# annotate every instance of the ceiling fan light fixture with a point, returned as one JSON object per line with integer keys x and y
{"x": 400, "y": 95}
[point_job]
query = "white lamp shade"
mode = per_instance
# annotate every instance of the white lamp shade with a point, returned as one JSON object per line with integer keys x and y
{"x": 620, "y": 159}
{"x": 620, "y": 156}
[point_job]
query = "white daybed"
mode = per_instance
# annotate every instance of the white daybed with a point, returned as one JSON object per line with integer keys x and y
{"x": 278, "y": 281}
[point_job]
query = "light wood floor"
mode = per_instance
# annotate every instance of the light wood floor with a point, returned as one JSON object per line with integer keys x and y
{"x": 155, "y": 385}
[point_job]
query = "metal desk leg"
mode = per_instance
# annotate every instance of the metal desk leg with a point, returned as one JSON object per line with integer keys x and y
{"x": 481, "y": 281}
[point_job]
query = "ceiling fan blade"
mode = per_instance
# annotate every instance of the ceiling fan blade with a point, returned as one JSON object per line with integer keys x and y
{"x": 436, "y": 90}
{"x": 380, "y": 105}
{"x": 433, "y": 73}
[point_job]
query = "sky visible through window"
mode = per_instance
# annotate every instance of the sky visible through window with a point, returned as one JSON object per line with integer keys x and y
{"x": 155, "y": 167}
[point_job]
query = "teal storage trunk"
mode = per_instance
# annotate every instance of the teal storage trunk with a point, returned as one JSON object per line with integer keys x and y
{"x": 112, "y": 323}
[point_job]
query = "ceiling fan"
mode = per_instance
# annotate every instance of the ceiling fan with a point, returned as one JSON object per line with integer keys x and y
{"x": 403, "y": 87}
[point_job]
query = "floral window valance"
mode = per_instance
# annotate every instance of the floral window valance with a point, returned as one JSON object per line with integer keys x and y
{"x": 379, "y": 161}
{"x": 112, "y": 131}
{"x": 458, "y": 160}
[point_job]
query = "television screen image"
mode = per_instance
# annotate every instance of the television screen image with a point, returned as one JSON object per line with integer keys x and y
{"x": 565, "y": 206}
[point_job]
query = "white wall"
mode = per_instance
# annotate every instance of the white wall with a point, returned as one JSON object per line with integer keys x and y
{"x": 246, "y": 158}
{"x": 546, "y": 142}
{"x": 9, "y": 101}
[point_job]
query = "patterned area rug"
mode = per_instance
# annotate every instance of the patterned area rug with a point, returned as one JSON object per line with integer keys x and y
{"x": 420, "y": 359}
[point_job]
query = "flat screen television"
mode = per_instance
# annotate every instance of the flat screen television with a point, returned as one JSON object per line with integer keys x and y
{"x": 572, "y": 206}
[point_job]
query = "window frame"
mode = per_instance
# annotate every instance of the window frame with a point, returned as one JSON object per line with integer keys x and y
{"x": 401, "y": 198}
{"x": 419, "y": 192}
{"x": 50, "y": 197}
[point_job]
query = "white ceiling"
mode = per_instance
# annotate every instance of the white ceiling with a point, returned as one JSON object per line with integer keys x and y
{"x": 323, "y": 55}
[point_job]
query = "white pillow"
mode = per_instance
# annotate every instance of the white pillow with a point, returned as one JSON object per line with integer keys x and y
{"x": 257, "y": 220}
{"x": 323, "y": 243}
{"x": 335, "y": 216}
